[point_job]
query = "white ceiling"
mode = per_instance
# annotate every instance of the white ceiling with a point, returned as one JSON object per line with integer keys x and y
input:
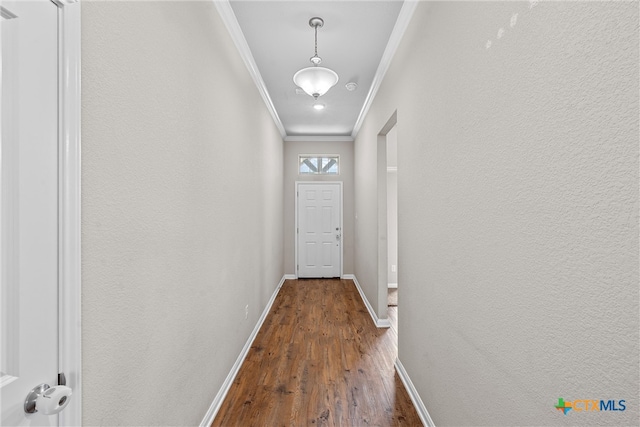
{"x": 279, "y": 42}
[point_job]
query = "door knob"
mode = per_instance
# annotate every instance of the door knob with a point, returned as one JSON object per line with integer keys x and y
{"x": 47, "y": 400}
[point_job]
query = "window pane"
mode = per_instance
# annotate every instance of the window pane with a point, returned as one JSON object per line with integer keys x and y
{"x": 308, "y": 165}
{"x": 323, "y": 165}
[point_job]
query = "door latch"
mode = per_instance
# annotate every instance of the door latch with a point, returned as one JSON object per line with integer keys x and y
{"x": 47, "y": 400}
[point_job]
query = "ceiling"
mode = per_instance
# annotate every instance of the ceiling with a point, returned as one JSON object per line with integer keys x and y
{"x": 357, "y": 41}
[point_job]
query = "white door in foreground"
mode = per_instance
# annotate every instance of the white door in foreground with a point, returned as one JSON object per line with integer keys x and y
{"x": 319, "y": 213}
{"x": 28, "y": 207}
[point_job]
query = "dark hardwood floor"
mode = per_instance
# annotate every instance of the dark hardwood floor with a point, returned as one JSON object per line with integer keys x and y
{"x": 319, "y": 361}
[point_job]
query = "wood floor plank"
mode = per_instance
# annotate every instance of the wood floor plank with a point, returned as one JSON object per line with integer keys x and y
{"x": 318, "y": 360}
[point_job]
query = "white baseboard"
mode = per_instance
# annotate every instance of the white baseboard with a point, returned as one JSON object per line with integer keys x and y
{"x": 290, "y": 277}
{"x": 413, "y": 394}
{"x": 392, "y": 286}
{"x": 380, "y": 323}
{"x": 222, "y": 393}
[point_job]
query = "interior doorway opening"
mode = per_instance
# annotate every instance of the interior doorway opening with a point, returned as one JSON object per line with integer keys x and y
{"x": 387, "y": 168}
{"x": 392, "y": 225}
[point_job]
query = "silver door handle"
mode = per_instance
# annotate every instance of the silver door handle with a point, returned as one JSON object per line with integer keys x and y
{"x": 47, "y": 400}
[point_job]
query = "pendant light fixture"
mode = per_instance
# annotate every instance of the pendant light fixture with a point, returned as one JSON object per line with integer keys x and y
{"x": 314, "y": 80}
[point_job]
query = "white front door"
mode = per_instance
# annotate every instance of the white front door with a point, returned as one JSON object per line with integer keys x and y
{"x": 319, "y": 228}
{"x": 29, "y": 205}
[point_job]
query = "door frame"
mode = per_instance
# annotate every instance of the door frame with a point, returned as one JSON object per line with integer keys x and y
{"x": 295, "y": 229}
{"x": 383, "y": 244}
{"x": 69, "y": 198}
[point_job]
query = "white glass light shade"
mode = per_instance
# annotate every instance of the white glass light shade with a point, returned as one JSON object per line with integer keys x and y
{"x": 315, "y": 81}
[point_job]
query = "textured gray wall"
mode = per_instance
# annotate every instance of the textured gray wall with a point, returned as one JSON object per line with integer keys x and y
{"x": 518, "y": 208}
{"x": 182, "y": 210}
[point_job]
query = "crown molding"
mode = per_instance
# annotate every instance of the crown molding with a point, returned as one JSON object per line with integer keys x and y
{"x": 404, "y": 17}
{"x": 311, "y": 138}
{"x": 231, "y": 22}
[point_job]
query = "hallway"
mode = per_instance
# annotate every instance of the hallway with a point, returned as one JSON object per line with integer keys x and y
{"x": 517, "y": 130}
{"x": 319, "y": 360}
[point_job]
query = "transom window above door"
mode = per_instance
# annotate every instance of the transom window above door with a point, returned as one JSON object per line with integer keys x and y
{"x": 319, "y": 165}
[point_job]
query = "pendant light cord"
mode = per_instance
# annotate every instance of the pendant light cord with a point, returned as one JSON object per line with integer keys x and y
{"x": 316, "y": 39}
{"x": 315, "y": 23}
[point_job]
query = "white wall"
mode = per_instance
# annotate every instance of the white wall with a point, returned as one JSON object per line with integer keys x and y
{"x": 518, "y": 208}
{"x": 182, "y": 210}
{"x": 292, "y": 149}
{"x": 392, "y": 206}
{"x": 392, "y": 228}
